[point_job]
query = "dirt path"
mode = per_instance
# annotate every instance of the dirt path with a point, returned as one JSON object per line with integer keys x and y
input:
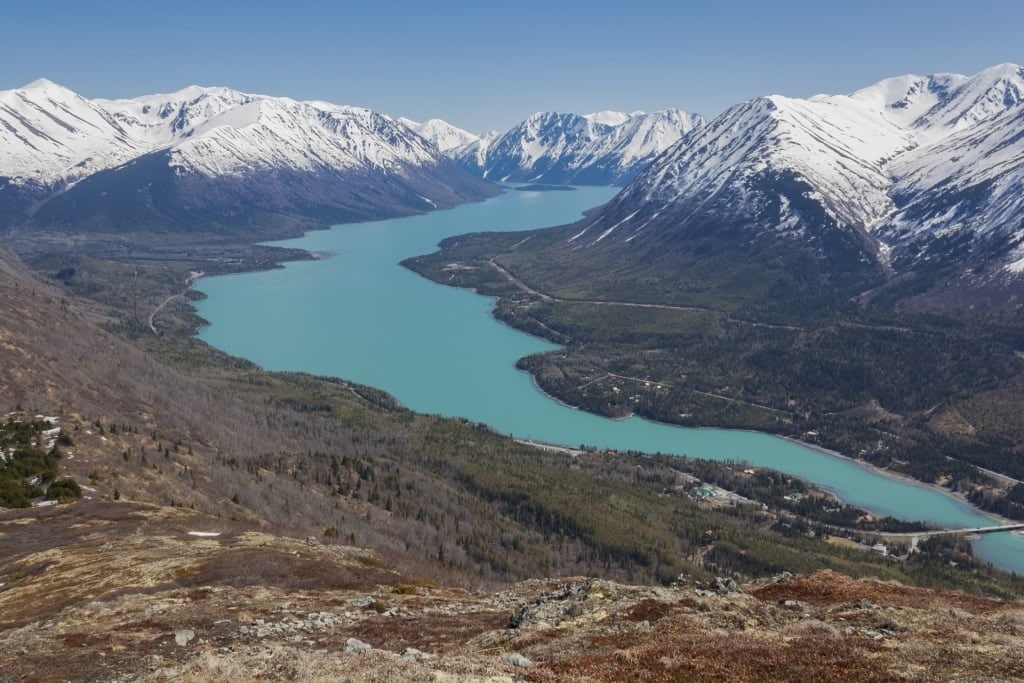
{"x": 189, "y": 281}
{"x": 601, "y": 302}
{"x": 670, "y": 307}
{"x": 741, "y": 401}
{"x": 520, "y": 284}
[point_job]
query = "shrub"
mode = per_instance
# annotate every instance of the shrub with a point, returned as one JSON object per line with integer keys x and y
{"x": 64, "y": 489}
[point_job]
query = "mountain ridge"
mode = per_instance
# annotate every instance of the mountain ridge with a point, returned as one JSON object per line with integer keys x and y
{"x": 912, "y": 174}
{"x": 603, "y": 148}
{"x": 215, "y": 158}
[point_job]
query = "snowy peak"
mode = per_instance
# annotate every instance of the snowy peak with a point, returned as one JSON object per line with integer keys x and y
{"x": 211, "y": 156}
{"x": 644, "y": 136}
{"x": 978, "y": 98}
{"x": 604, "y": 148}
{"x": 943, "y": 103}
{"x": 43, "y": 84}
{"x": 609, "y": 118}
{"x": 442, "y": 134}
{"x": 50, "y": 135}
{"x": 473, "y": 156}
{"x": 925, "y": 169}
{"x": 265, "y": 133}
{"x": 840, "y": 143}
{"x": 906, "y": 99}
{"x": 163, "y": 118}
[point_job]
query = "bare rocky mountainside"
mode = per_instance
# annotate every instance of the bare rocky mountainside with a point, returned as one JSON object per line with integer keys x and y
{"x": 125, "y": 592}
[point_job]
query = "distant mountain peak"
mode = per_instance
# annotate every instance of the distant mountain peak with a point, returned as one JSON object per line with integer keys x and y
{"x": 602, "y": 148}
{"x": 610, "y": 118}
{"x": 442, "y": 134}
{"x": 42, "y": 84}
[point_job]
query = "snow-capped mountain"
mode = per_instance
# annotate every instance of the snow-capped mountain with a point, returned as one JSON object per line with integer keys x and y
{"x": 604, "y": 148}
{"x": 473, "y": 155}
{"x": 49, "y": 135}
{"x": 610, "y": 118}
{"x": 212, "y": 155}
{"x": 442, "y": 134}
{"x": 162, "y": 119}
{"x": 910, "y": 172}
{"x": 960, "y": 195}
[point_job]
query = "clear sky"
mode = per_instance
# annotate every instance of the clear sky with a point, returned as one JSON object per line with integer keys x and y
{"x": 487, "y": 65}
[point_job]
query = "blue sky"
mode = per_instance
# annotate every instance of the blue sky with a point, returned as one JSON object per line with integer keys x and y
{"x": 486, "y": 65}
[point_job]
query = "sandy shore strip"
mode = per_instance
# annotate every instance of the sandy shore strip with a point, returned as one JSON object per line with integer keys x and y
{"x": 896, "y": 476}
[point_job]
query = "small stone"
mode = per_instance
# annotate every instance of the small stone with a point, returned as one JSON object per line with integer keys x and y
{"x": 356, "y": 645}
{"x": 724, "y": 585}
{"x": 183, "y": 636}
{"x": 413, "y": 653}
{"x": 516, "y": 659}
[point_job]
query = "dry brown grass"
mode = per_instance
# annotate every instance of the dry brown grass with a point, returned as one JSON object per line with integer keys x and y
{"x": 105, "y": 598}
{"x": 830, "y": 588}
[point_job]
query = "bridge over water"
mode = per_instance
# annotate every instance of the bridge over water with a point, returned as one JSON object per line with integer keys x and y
{"x": 949, "y": 532}
{"x": 916, "y": 536}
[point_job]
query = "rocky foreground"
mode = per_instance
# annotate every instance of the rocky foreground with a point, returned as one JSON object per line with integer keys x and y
{"x": 116, "y": 591}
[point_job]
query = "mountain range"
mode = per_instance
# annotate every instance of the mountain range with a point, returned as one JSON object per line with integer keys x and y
{"x": 604, "y": 148}
{"x": 216, "y": 159}
{"x": 211, "y": 159}
{"x": 919, "y": 175}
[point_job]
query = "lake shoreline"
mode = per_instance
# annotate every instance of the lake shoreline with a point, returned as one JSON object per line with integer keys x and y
{"x": 869, "y": 467}
{"x": 527, "y": 419}
{"x": 874, "y": 469}
{"x": 323, "y": 255}
{"x": 895, "y": 476}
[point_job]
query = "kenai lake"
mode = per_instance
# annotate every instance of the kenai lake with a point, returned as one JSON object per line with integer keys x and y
{"x": 361, "y": 316}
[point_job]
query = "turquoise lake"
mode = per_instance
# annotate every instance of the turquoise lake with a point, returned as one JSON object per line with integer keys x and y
{"x": 359, "y": 315}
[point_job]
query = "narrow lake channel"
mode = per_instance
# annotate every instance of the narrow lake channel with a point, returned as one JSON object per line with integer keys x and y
{"x": 361, "y": 316}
